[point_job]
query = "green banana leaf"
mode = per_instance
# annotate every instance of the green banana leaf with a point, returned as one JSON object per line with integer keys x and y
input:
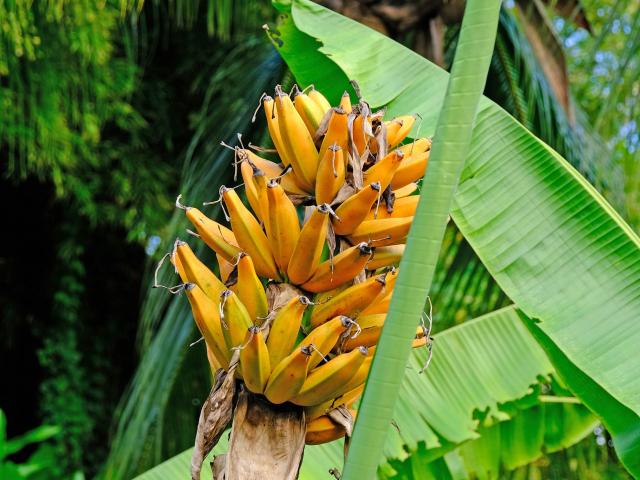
{"x": 486, "y": 370}
{"x": 553, "y": 244}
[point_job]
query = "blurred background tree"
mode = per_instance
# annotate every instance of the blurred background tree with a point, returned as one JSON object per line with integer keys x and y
{"x": 110, "y": 109}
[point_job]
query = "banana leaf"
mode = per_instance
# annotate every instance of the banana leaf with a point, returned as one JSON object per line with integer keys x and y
{"x": 552, "y": 243}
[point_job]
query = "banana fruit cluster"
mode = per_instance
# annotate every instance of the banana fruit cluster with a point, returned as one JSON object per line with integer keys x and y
{"x": 329, "y": 217}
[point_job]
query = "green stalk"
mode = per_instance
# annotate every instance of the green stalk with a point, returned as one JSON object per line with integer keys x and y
{"x": 451, "y": 145}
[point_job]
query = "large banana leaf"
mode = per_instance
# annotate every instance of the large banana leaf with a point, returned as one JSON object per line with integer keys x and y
{"x": 549, "y": 239}
{"x": 485, "y": 370}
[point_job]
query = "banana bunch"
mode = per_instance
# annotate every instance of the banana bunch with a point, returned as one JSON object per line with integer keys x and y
{"x": 328, "y": 217}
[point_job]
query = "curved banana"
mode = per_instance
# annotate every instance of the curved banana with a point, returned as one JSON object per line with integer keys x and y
{"x": 254, "y": 361}
{"x": 382, "y": 232}
{"x": 349, "y": 398}
{"x": 197, "y": 272}
{"x": 250, "y": 290}
{"x": 234, "y": 318}
{"x": 323, "y": 382}
{"x": 247, "y": 172}
{"x": 214, "y": 364}
{"x": 272, "y": 170}
{"x": 284, "y": 227}
{"x": 354, "y": 209}
{"x": 319, "y": 100}
{"x": 325, "y": 337}
{"x": 337, "y": 133}
{"x": 217, "y": 237}
{"x": 383, "y": 171}
{"x": 385, "y": 256}
{"x": 207, "y": 317}
{"x": 285, "y": 328}
{"x": 396, "y": 135}
{"x": 358, "y": 379}
{"x": 273, "y": 124}
{"x": 419, "y": 145}
{"x": 405, "y": 191}
{"x": 331, "y": 174}
{"x": 402, "y": 207}
{"x": 297, "y": 140}
{"x": 309, "y": 111}
{"x": 323, "y": 430}
{"x": 344, "y": 267}
{"x": 345, "y": 102}
{"x": 288, "y": 376}
{"x": 379, "y": 304}
{"x": 249, "y": 235}
{"x": 306, "y": 255}
{"x": 361, "y": 138}
{"x": 349, "y": 302}
{"x": 411, "y": 169}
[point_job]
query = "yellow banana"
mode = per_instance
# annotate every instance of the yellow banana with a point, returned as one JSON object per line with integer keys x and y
{"x": 254, "y": 361}
{"x": 382, "y": 232}
{"x": 319, "y": 100}
{"x": 297, "y": 140}
{"x": 349, "y": 302}
{"x": 225, "y": 268}
{"x": 405, "y": 191}
{"x": 285, "y": 328}
{"x": 402, "y": 207}
{"x": 384, "y": 170}
{"x": 343, "y": 268}
{"x": 288, "y": 376}
{"x": 235, "y": 319}
{"x": 411, "y": 169}
{"x": 325, "y": 337}
{"x": 179, "y": 268}
{"x": 273, "y": 124}
{"x": 354, "y": 209}
{"x": 331, "y": 174}
{"x": 358, "y": 379}
{"x": 385, "y": 256}
{"x": 260, "y": 180}
{"x": 214, "y": 364}
{"x": 379, "y": 304}
{"x": 249, "y": 235}
{"x": 323, "y": 430}
{"x": 349, "y": 398}
{"x": 247, "y": 172}
{"x": 306, "y": 255}
{"x": 404, "y": 125}
{"x": 337, "y": 133}
{"x": 361, "y": 139}
{"x": 345, "y": 102}
{"x": 197, "y": 272}
{"x": 419, "y": 145}
{"x": 315, "y": 411}
{"x": 250, "y": 290}
{"x": 272, "y": 170}
{"x": 207, "y": 317}
{"x": 284, "y": 226}
{"x": 309, "y": 111}
{"x": 218, "y": 237}
{"x": 323, "y": 382}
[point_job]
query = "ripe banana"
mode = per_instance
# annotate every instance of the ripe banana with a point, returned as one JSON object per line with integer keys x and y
{"x": 331, "y": 174}
{"x": 250, "y": 290}
{"x": 247, "y": 171}
{"x": 342, "y": 269}
{"x": 214, "y": 364}
{"x": 384, "y": 170}
{"x": 361, "y": 138}
{"x": 284, "y": 227}
{"x": 411, "y": 169}
{"x": 249, "y": 235}
{"x": 337, "y": 133}
{"x": 396, "y": 134}
{"x": 349, "y": 398}
{"x": 207, "y": 317}
{"x": 297, "y": 140}
{"x": 350, "y": 302}
{"x": 325, "y": 337}
{"x": 254, "y": 361}
{"x": 218, "y": 237}
{"x": 358, "y": 379}
{"x": 385, "y": 256}
{"x": 273, "y": 124}
{"x": 309, "y": 111}
{"x": 382, "y": 232}
{"x": 419, "y": 145}
{"x": 320, "y": 100}
{"x": 354, "y": 210}
{"x": 272, "y": 170}
{"x": 405, "y": 191}
{"x": 234, "y": 318}
{"x": 402, "y": 207}
{"x": 379, "y": 304}
{"x": 323, "y": 430}
{"x": 323, "y": 382}
{"x": 345, "y": 102}
{"x": 285, "y": 328}
{"x": 307, "y": 252}
{"x": 288, "y": 376}
{"x": 197, "y": 272}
